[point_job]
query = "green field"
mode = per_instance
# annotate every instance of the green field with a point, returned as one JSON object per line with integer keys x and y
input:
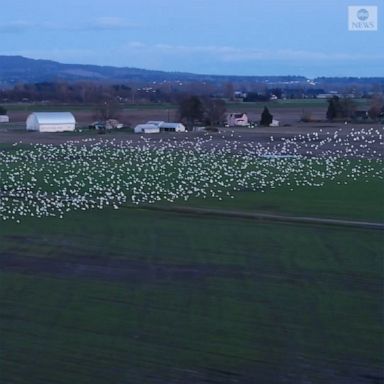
{"x": 132, "y": 295}
{"x": 354, "y": 201}
{"x": 78, "y": 107}
{"x": 49, "y": 107}
{"x": 290, "y": 103}
{"x": 140, "y": 297}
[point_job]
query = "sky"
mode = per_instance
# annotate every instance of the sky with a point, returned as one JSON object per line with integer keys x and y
{"x": 229, "y": 37}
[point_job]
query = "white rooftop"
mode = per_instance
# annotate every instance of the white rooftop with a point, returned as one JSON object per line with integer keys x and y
{"x": 54, "y": 117}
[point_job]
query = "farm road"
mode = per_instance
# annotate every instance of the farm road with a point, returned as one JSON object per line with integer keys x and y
{"x": 264, "y": 216}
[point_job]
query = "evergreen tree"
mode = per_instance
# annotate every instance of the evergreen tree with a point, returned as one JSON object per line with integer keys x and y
{"x": 215, "y": 111}
{"x": 333, "y": 108}
{"x": 266, "y": 118}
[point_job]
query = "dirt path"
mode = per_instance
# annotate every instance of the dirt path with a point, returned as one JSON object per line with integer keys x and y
{"x": 264, "y": 216}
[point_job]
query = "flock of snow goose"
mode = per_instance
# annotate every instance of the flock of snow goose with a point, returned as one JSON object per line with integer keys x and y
{"x": 43, "y": 180}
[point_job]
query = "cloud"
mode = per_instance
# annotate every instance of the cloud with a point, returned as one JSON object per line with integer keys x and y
{"x": 21, "y": 26}
{"x": 16, "y": 26}
{"x": 294, "y": 55}
{"x": 111, "y": 23}
{"x": 77, "y": 56}
{"x": 99, "y": 24}
{"x": 233, "y": 54}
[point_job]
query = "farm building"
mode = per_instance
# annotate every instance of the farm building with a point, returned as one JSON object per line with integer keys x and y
{"x": 51, "y": 122}
{"x": 113, "y": 124}
{"x": 146, "y": 128}
{"x": 172, "y": 127}
{"x": 107, "y": 124}
{"x": 275, "y": 123}
{"x": 237, "y": 120}
{"x": 168, "y": 127}
{"x": 4, "y": 119}
{"x": 155, "y": 122}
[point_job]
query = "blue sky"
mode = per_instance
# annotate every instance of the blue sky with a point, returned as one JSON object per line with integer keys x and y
{"x": 237, "y": 37}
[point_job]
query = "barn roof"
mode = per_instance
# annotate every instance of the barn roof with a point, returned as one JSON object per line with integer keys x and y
{"x": 54, "y": 117}
{"x": 165, "y": 124}
{"x": 155, "y": 122}
{"x": 146, "y": 125}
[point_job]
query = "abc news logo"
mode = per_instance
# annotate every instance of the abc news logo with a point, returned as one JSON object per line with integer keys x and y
{"x": 362, "y": 18}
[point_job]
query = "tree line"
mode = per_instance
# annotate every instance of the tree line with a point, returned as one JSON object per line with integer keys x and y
{"x": 194, "y": 110}
{"x": 161, "y": 92}
{"x": 345, "y": 108}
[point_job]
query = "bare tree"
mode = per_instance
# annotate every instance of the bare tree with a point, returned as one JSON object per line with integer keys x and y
{"x": 340, "y": 108}
{"x": 377, "y": 107}
{"x": 108, "y": 109}
{"x": 215, "y": 111}
{"x": 191, "y": 110}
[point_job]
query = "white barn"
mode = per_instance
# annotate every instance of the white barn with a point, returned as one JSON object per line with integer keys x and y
{"x": 155, "y": 122}
{"x": 147, "y": 128}
{"x": 168, "y": 127}
{"x": 51, "y": 122}
{"x": 172, "y": 127}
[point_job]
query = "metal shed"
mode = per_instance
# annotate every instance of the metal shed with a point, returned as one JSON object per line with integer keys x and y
{"x": 146, "y": 128}
{"x": 172, "y": 127}
{"x": 168, "y": 126}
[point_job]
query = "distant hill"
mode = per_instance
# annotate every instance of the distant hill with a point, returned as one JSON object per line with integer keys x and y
{"x": 14, "y": 69}
{"x": 19, "y": 69}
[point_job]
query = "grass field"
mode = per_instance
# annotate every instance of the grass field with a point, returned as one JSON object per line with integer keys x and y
{"x": 132, "y": 296}
{"x": 355, "y": 200}
{"x": 288, "y": 103}
{"x": 291, "y": 104}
